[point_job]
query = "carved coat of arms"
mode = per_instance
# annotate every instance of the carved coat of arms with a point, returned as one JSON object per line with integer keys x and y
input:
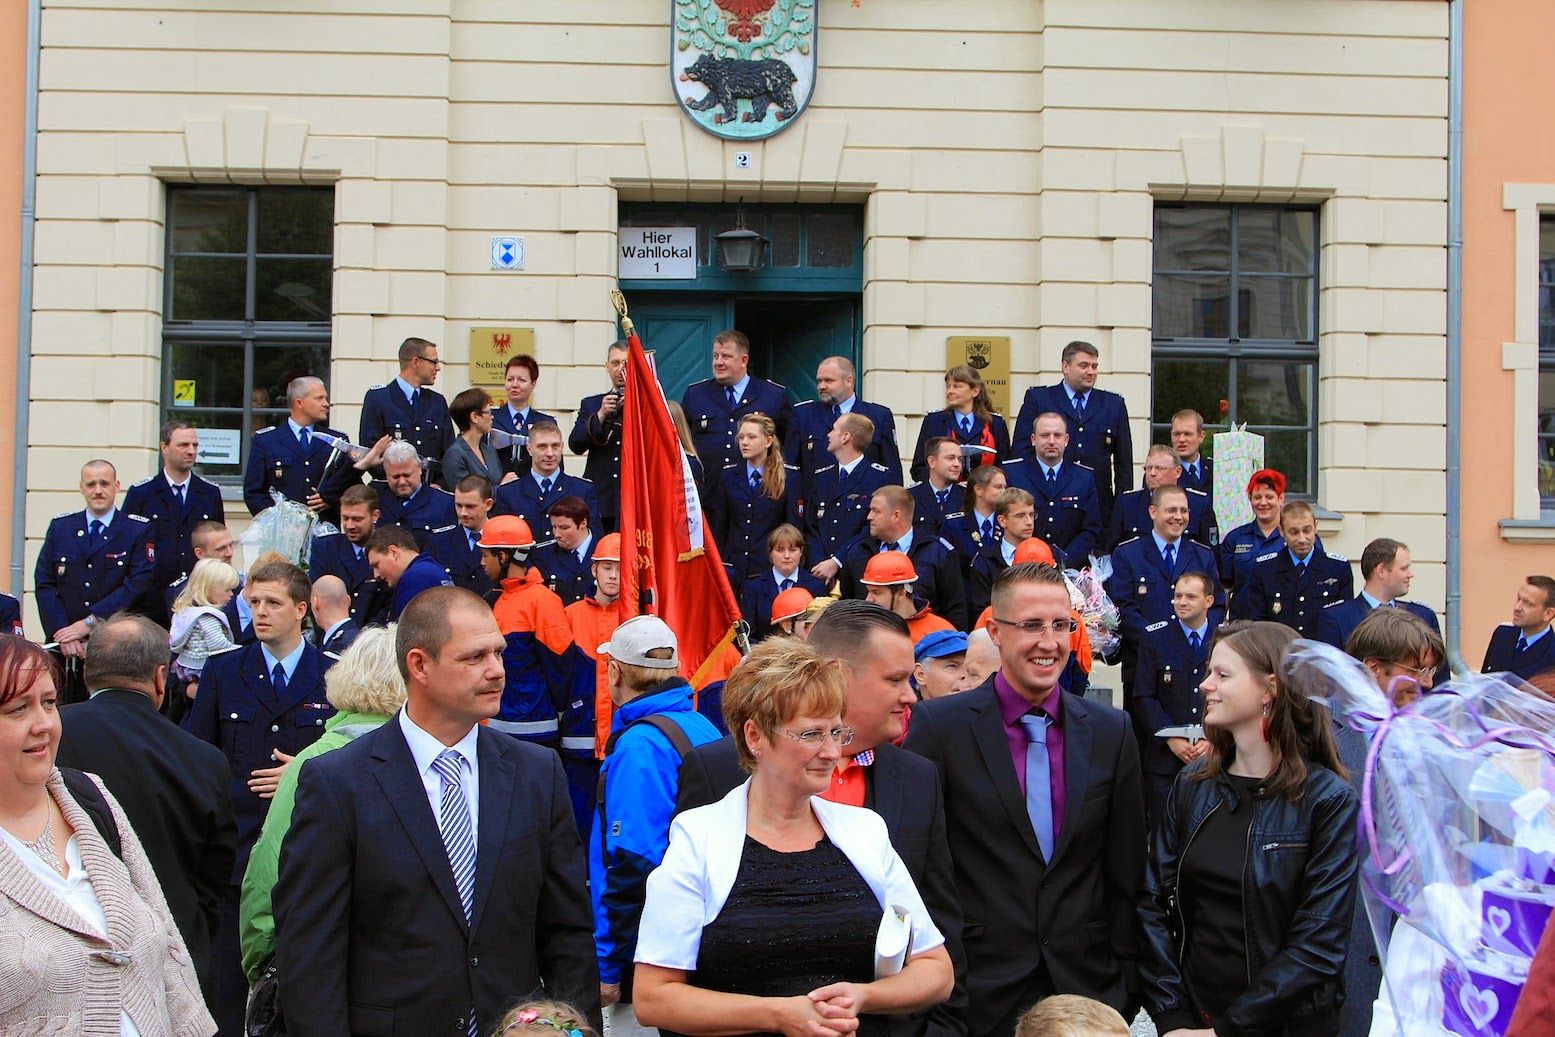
{"x": 743, "y": 69}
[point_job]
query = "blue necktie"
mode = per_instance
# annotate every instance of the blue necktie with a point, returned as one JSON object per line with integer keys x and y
{"x": 178, "y": 494}
{"x": 987, "y": 528}
{"x": 545, "y": 486}
{"x": 836, "y": 410}
{"x": 942, "y": 495}
{"x": 304, "y": 439}
{"x": 894, "y": 545}
{"x": 729, "y": 395}
{"x": 1079, "y": 404}
{"x": 786, "y": 585}
{"x": 1171, "y": 558}
{"x": 1193, "y": 640}
{"x": 1522, "y": 645}
{"x": 473, "y": 536}
{"x": 458, "y": 835}
{"x": 96, "y": 530}
{"x": 278, "y": 680}
{"x": 842, "y": 476}
{"x": 755, "y": 482}
{"x": 1039, "y": 781}
{"x": 415, "y": 398}
{"x": 1052, "y": 479}
{"x": 966, "y": 424}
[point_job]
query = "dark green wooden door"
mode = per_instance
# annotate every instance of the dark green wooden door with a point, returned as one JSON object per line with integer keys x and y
{"x": 679, "y": 328}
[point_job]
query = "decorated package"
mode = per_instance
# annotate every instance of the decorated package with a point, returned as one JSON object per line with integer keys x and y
{"x": 1456, "y": 836}
{"x": 1238, "y": 454}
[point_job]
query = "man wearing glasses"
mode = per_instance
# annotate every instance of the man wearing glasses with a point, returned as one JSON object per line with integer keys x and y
{"x": 1045, "y": 817}
{"x": 407, "y": 408}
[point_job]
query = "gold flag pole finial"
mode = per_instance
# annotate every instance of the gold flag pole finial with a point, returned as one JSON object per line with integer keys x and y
{"x": 619, "y": 302}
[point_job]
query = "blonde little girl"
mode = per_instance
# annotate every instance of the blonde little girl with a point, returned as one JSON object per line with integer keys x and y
{"x": 200, "y": 628}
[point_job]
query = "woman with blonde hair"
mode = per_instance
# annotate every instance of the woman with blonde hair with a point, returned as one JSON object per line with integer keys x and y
{"x": 968, "y": 419}
{"x": 200, "y": 627}
{"x": 366, "y": 689}
{"x": 763, "y": 915}
{"x": 751, "y": 498}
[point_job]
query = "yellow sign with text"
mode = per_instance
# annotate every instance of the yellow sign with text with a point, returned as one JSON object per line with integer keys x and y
{"x": 492, "y": 348}
{"x": 989, "y": 356}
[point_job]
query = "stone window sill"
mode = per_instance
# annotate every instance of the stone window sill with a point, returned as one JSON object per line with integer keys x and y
{"x": 1530, "y": 531}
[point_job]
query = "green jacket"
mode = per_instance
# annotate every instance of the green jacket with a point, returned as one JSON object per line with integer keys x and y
{"x": 256, "y": 923}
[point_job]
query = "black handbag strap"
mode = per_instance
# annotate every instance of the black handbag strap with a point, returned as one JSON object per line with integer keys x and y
{"x": 91, "y": 799}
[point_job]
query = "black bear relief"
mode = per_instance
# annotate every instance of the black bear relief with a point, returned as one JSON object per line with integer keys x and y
{"x": 763, "y": 83}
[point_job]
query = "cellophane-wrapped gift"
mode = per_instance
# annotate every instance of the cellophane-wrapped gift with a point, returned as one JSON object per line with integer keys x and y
{"x": 1087, "y": 597}
{"x": 1238, "y": 454}
{"x": 1456, "y": 836}
{"x": 286, "y": 528}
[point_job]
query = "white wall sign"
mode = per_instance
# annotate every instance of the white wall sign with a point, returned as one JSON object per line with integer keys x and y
{"x": 658, "y": 253}
{"x": 220, "y": 446}
{"x": 507, "y": 253}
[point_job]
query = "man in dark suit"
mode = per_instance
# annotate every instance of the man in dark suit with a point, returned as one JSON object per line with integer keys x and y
{"x": 1131, "y": 508}
{"x": 515, "y": 415}
{"x": 1045, "y": 816}
{"x": 1098, "y": 423}
{"x": 530, "y": 497}
{"x": 172, "y": 786}
{"x": 1526, "y": 645}
{"x": 331, "y": 605}
{"x": 1296, "y": 583}
{"x": 175, "y": 500}
{"x": 891, "y": 529}
{"x": 1064, "y": 493}
{"x": 805, "y": 445}
{"x": 1198, "y": 471}
{"x": 597, "y": 434}
{"x": 841, "y": 492}
{"x": 260, "y": 705}
{"x": 405, "y": 497}
{"x": 408, "y": 408}
{"x": 291, "y": 460}
{"x": 344, "y": 555}
{"x": 941, "y": 495}
{"x": 902, "y": 788}
{"x": 1386, "y": 573}
{"x": 454, "y": 547}
{"x": 714, "y": 407}
{"x": 407, "y": 911}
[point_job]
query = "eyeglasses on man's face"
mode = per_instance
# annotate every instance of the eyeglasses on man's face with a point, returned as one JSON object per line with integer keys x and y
{"x": 434, "y": 361}
{"x": 816, "y": 737}
{"x": 1059, "y": 627}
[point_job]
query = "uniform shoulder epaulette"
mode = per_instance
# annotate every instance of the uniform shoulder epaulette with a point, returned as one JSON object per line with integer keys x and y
{"x": 1082, "y": 464}
{"x": 955, "y": 515}
{"x": 790, "y": 467}
{"x": 267, "y": 428}
{"x": 206, "y": 481}
{"x": 1130, "y": 540}
{"x": 1339, "y": 558}
{"x": 546, "y": 543}
{"x": 914, "y": 484}
{"x": 444, "y": 529}
{"x": 380, "y": 385}
{"x": 142, "y": 482}
{"x": 67, "y": 514}
{"x": 780, "y": 385}
{"x": 1341, "y": 601}
{"x": 828, "y": 468}
{"x": 877, "y": 466}
{"x": 586, "y": 482}
{"x": 733, "y": 465}
{"x": 1156, "y": 626}
{"x": 946, "y": 544}
{"x": 1190, "y": 489}
{"x": 803, "y": 403}
{"x": 137, "y": 518}
{"x": 1265, "y": 558}
{"x": 439, "y": 489}
{"x": 1507, "y": 624}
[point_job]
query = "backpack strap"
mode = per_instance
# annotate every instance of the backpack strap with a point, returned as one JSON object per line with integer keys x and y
{"x": 666, "y": 727}
{"x": 91, "y": 799}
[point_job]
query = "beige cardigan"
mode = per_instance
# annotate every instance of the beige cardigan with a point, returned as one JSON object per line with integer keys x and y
{"x": 50, "y": 981}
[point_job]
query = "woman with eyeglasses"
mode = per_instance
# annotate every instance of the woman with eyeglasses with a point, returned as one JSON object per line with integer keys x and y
{"x": 763, "y": 916}
{"x": 470, "y": 453}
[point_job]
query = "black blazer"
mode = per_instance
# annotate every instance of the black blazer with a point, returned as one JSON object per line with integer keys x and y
{"x": 902, "y": 789}
{"x": 370, "y": 932}
{"x": 173, "y": 788}
{"x": 1078, "y": 915}
{"x": 1502, "y": 654}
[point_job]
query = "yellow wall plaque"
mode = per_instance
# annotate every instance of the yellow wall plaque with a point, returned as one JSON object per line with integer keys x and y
{"x": 989, "y": 356}
{"x": 491, "y": 348}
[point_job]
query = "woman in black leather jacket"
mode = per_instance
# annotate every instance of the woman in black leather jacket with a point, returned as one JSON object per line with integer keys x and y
{"x": 1251, "y": 880}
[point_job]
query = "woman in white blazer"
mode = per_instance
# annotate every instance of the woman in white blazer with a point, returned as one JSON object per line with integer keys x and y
{"x": 763, "y": 916}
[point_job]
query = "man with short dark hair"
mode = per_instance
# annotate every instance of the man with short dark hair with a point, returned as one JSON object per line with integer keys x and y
{"x": 1386, "y": 573}
{"x": 1016, "y": 514}
{"x": 941, "y": 496}
{"x": 1294, "y": 585}
{"x": 1198, "y": 472}
{"x": 891, "y": 529}
{"x": 1131, "y": 509}
{"x": 433, "y": 873}
{"x": 408, "y": 408}
{"x": 841, "y": 494}
{"x": 902, "y": 788}
{"x": 172, "y": 786}
{"x": 1069, "y": 516}
{"x": 597, "y": 435}
{"x": 406, "y": 499}
{"x": 455, "y": 547}
{"x": 835, "y": 381}
{"x": 567, "y": 561}
{"x": 1097, "y": 421}
{"x": 714, "y": 407}
{"x": 1525, "y": 645}
{"x": 1045, "y": 817}
{"x": 530, "y": 497}
{"x": 175, "y": 500}
{"x": 344, "y": 555}
{"x": 260, "y": 705}
{"x": 396, "y": 561}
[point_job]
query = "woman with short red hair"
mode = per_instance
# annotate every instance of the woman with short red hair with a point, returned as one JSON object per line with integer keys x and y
{"x": 1244, "y": 544}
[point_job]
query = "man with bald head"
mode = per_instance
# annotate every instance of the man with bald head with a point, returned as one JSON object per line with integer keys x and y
{"x": 805, "y": 446}
{"x": 331, "y": 603}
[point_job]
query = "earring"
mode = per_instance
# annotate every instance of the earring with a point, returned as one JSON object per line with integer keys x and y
{"x": 1265, "y": 723}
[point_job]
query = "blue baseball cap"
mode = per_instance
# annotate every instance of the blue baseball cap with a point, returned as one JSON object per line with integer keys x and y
{"x": 939, "y": 644}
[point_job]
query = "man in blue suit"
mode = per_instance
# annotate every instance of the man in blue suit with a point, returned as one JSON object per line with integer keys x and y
{"x": 530, "y": 497}
{"x": 408, "y": 408}
{"x": 1198, "y": 471}
{"x": 1386, "y": 573}
{"x": 261, "y": 705}
{"x": 175, "y": 500}
{"x": 813, "y": 419}
{"x": 942, "y": 494}
{"x": 891, "y": 528}
{"x": 406, "y": 499}
{"x": 289, "y": 459}
{"x": 1295, "y": 584}
{"x": 344, "y": 555}
{"x": 568, "y": 560}
{"x": 1068, "y": 508}
{"x": 838, "y": 510}
{"x": 92, "y": 564}
{"x": 455, "y": 547}
{"x": 1097, "y": 419}
{"x": 1131, "y": 509}
{"x": 1526, "y": 645}
{"x": 714, "y": 407}
{"x": 597, "y": 434}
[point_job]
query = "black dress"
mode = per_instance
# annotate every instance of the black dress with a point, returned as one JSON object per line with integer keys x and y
{"x": 793, "y": 922}
{"x": 1215, "y": 962}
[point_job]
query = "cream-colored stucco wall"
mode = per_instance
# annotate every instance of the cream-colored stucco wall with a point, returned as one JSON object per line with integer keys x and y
{"x": 1008, "y": 152}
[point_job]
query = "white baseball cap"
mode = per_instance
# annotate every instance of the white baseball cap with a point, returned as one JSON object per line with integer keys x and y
{"x": 633, "y": 640}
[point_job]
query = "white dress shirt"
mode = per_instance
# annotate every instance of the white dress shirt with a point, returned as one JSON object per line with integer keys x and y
{"x": 425, "y": 749}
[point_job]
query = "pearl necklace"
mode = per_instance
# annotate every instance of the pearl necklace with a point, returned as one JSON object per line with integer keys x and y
{"x": 43, "y": 846}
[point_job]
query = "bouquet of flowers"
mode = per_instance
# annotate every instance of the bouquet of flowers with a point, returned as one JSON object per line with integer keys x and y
{"x": 1457, "y": 838}
{"x": 287, "y": 528}
{"x": 1087, "y": 597}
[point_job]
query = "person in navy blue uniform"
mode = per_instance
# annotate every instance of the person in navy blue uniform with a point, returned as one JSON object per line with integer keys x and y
{"x": 516, "y": 415}
{"x": 344, "y": 555}
{"x": 1386, "y": 573}
{"x": 1295, "y": 584}
{"x": 835, "y": 379}
{"x": 568, "y": 559}
{"x": 747, "y": 500}
{"x": 1198, "y": 471}
{"x": 942, "y": 493}
{"x": 212, "y": 540}
{"x": 838, "y": 510}
{"x": 1098, "y": 423}
{"x": 260, "y": 705}
{"x": 92, "y": 564}
{"x": 1145, "y": 571}
{"x": 891, "y": 529}
{"x": 785, "y": 552}
{"x": 1016, "y": 514}
{"x": 597, "y": 435}
{"x": 456, "y": 547}
{"x": 11, "y": 616}
{"x": 409, "y": 408}
{"x": 289, "y": 459}
{"x": 406, "y": 499}
{"x": 1173, "y": 654}
{"x": 397, "y": 562}
{"x": 977, "y": 525}
{"x": 530, "y": 497}
{"x": 714, "y": 407}
{"x": 331, "y": 606}
{"x": 1068, "y": 507}
{"x": 1526, "y": 645}
{"x": 1241, "y": 547}
{"x": 175, "y": 500}
{"x": 969, "y": 420}
{"x": 1131, "y": 510}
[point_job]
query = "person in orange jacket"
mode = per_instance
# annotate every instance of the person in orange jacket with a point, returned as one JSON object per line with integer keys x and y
{"x": 593, "y": 619}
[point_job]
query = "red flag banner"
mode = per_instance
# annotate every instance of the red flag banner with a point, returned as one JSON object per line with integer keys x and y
{"x": 670, "y": 566}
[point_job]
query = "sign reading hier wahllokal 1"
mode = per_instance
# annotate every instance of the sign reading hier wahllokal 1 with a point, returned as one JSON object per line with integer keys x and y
{"x": 743, "y": 69}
